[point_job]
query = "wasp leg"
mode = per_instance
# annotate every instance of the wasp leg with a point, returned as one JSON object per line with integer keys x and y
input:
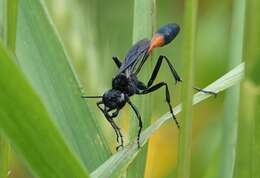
{"x": 114, "y": 114}
{"x": 108, "y": 119}
{"x": 167, "y": 96}
{"x": 157, "y": 68}
{"x": 174, "y": 73}
{"x": 205, "y": 91}
{"x": 113, "y": 124}
{"x": 139, "y": 120}
{"x": 120, "y": 135}
{"x": 117, "y": 61}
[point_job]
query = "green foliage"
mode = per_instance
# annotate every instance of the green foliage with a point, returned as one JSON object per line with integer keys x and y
{"x": 190, "y": 19}
{"x": 248, "y": 146}
{"x": 10, "y": 16}
{"x": 9, "y": 37}
{"x": 4, "y": 157}
{"x": 230, "y": 122}
{"x": 44, "y": 61}
{"x": 28, "y": 126}
{"x": 55, "y": 133}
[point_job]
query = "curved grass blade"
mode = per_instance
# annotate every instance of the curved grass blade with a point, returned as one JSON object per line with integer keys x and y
{"x": 29, "y": 128}
{"x": 43, "y": 59}
{"x": 116, "y": 164}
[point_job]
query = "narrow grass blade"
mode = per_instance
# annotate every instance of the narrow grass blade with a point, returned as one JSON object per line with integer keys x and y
{"x": 10, "y": 23}
{"x": 2, "y": 18}
{"x": 116, "y": 164}
{"x": 144, "y": 17}
{"x": 189, "y": 33}
{"x": 4, "y": 157}
{"x": 26, "y": 123}
{"x": 248, "y": 145}
{"x": 230, "y": 123}
{"x": 9, "y": 37}
{"x": 43, "y": 59}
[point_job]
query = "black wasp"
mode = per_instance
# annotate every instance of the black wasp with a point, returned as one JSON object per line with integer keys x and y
{"x": 126, "y": 84}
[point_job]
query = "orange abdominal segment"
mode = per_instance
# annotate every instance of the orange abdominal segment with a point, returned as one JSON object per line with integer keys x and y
{"x": 157, "y": 41}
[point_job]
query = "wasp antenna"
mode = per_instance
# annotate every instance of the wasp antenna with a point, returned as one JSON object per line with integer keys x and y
{"x": 91, "y": 96}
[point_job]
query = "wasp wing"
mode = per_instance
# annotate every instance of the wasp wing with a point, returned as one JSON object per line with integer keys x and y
{"x": 137, "y": 52}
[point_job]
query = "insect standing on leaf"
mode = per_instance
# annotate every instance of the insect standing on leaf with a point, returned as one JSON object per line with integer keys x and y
{"x": 126, "y": 84}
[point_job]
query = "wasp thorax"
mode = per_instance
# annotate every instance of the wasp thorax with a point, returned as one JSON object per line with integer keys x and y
{"x": 114, "y": 99}
{"x": 120, "y": 82}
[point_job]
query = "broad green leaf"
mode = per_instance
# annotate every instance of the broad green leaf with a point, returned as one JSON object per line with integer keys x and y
{"x": 188, "y": 49}
{"x": 32, "y": 133}
{"x": 144, "y": 18}
{"x": 117, "y": 163}
{"x": 43, "y": 59}
{"x": 248, "y": 143}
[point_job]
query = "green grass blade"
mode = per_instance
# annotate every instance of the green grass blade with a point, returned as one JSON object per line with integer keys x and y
{"x": 144, "y": 17}
{"x": 10, "y": 23}
{"x": 2, "y": 18}
{"x": 230, "y": 123}
{"x": 4, "y": 157}
{"x": 248, "y": 145}
{"x": 116, "y": 164}
{"x": 189, "y": 33}
{"x": 9, "y": 37}
{"x": 29, "y": 128}
{"x": 44, "y": 61}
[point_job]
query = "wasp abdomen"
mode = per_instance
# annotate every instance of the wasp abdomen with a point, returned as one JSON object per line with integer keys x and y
{"x": 164, "y": 35}
{"x": 169, "y": 32}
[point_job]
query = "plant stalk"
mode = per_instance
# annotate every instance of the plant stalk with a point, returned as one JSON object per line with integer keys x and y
{"x": 185, "y": 139}
{"x": 144, "y": 18}
{"x": 248, "y": 143}
{"x": 230, "y": 122}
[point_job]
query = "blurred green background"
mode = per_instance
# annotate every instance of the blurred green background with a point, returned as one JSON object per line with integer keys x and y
{"x": 95, "y": 30}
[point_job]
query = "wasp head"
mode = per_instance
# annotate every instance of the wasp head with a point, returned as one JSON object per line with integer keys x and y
{"x": 114, "y": 99}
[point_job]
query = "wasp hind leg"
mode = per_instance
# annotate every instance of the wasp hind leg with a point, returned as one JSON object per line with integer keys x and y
{"x": 150, "y": 87}
{"x": 157, "y": 68}
{"x": 167, "y": 96}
